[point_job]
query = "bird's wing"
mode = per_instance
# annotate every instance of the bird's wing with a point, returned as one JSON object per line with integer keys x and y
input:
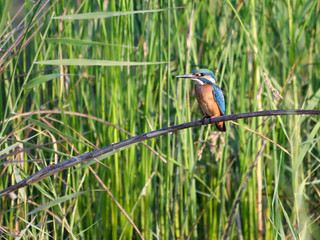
{"x": 219, "y": 98}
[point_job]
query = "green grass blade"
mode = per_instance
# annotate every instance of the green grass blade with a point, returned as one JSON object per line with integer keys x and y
{"x": 92, "y": 62}
{"x": 96, "y": 15}
{"x": 41, "y": 79}
{"x": 56, "y": 202}
{"x": 81, "y": 42}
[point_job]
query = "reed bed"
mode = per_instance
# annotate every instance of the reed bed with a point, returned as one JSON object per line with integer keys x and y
{"x": 93, "y": 73}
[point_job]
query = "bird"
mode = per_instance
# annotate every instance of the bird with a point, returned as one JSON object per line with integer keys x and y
{"x": 209, "y": 95}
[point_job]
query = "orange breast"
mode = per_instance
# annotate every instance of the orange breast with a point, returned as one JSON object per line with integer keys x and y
{"x": 206, "y": 100}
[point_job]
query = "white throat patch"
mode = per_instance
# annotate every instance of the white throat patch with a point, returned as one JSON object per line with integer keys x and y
{"x": 197, "y": 81}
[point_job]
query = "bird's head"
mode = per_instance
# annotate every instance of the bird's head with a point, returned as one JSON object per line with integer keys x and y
{"x": 201, "y": 76}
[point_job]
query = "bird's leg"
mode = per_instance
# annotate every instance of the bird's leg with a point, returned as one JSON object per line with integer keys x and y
{"x": 204, "y": 118}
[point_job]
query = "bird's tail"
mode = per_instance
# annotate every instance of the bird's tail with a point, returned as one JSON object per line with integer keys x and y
{"x": 221, "y": 126}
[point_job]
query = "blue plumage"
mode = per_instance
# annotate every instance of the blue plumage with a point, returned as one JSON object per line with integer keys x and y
{"x": 205, "y": 72}
{"x": 219, "y": 98}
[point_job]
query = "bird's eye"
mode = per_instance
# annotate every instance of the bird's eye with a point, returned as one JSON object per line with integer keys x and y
{"x": 202, "y": 74}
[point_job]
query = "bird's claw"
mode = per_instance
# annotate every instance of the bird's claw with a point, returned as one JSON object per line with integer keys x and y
{"x": 204, "y": 118}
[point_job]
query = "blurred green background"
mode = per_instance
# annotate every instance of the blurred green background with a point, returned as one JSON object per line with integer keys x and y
{"x": 67, "y": 88}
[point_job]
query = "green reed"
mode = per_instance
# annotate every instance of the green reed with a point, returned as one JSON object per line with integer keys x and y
{"x": 192, "y": 195}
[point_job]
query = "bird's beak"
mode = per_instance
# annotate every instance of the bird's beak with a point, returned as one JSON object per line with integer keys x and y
{"x": 190, "y": 75}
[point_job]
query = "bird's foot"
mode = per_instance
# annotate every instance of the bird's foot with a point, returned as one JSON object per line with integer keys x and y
{"x": 203, "y": 119}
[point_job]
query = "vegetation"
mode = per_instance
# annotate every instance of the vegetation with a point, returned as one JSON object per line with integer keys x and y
{"x": 81, "y": 75}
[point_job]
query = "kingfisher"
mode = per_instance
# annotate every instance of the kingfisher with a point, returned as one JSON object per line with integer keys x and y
{"x": 209, "y": 96}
